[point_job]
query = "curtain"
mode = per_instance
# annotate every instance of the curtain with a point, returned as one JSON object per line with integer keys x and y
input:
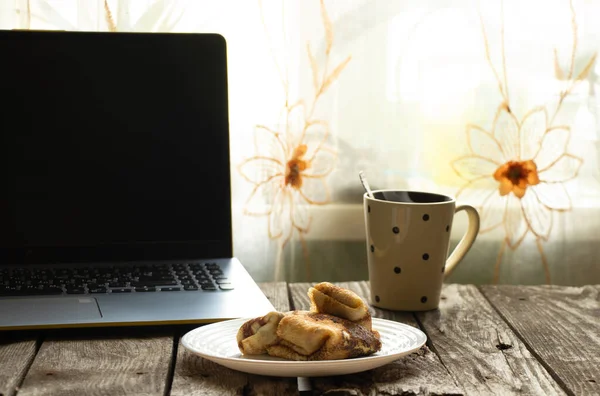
{"x": 492, "y": 102}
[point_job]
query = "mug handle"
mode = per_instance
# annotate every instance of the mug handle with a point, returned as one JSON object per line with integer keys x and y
{"x": 467, "y": 240}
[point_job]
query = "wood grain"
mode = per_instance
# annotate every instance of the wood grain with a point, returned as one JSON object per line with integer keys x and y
{"x": 16, "y": 355}
{"x": 277, "y": 293}
{"x": 420, "y": 373}
{"x": 197, "y": 376}
{"x": 560, "y": 326}
{"x": 480, "y": 350}
{"x": 116, "y": 365}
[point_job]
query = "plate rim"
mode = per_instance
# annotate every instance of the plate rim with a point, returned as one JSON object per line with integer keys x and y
{"x": 305, "y": 364}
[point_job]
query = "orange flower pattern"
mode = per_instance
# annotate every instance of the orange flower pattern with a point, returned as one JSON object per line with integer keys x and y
{"x": 288, "y": 172}
{"x": 515, "y": 176}
{"x": 520, "y": 166}
{"x": 295, "y": 166}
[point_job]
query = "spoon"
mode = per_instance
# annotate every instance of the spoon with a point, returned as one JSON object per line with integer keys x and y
{"x": 365, "y": 183}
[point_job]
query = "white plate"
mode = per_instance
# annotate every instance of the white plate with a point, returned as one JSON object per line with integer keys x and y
{"x": 217, "y": 342}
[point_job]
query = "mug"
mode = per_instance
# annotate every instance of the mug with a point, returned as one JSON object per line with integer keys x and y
{"x": 408, "y": 233}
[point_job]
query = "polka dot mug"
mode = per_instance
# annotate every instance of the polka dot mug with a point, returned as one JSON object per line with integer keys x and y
{"x": 408, "y": 235}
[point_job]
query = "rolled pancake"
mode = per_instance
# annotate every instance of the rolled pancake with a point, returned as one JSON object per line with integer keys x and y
{"x": 337, "y": 301}
{"x": 338, "y": 326}
{"x": 256, "y": 335}
{"x": 313, "y": 336}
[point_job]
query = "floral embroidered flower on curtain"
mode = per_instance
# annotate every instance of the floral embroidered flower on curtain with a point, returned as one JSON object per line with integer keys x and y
{"x": 528, "y": 159}
{"x": 294, "y": 159}
{"x": 322, "y": 89}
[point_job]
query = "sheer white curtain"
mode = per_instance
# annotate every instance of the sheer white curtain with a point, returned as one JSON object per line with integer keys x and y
{"x": 494, "y": 102}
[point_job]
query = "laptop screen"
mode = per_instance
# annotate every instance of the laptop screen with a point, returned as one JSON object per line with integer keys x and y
{"x": 114, "y": 146}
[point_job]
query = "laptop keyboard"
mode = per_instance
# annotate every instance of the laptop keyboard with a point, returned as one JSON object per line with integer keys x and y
{"x": 137, "y": 278}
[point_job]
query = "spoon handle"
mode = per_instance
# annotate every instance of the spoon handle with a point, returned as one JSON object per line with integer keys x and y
{"x": 365, "y": 183}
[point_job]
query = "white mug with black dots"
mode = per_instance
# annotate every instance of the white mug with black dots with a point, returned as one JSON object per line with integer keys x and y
{"x": 408, "y": 234}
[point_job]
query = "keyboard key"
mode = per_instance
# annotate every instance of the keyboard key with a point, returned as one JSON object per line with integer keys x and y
{"x": 170, "y": 289}
{"x": 208, "y": 287}
{"x": 121, "y": 290}
{"x": 52, "y": 290}
{"x": 226, "y": 286}
{"x": 160, "y": 266}
{"x": 28, "y": 291}
{"x": 223, "y": 282}
{"x": 5, "y": 292}
{"x": 190, "y": 287}
{"x": 156, "y": 278}
{"x": 75, "y": 290}
{"x": 154, "y": 283}
{"x": 145, "y": 289}
{"x": 98, "y": 290}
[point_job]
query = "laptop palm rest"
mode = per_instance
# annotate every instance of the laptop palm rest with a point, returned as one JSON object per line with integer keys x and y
{"x": 48, "y": 310}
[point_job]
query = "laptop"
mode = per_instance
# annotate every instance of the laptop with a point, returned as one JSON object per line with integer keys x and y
{"x": 115, "y": 206}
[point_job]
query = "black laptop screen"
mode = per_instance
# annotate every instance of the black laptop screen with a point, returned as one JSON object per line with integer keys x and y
{"x": 113, "y": 147}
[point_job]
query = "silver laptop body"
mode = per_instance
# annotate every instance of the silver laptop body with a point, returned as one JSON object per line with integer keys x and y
{"x": 116, "y": 201}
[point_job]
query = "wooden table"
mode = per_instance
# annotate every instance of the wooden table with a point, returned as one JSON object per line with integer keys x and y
{"x": 533, "y": 340}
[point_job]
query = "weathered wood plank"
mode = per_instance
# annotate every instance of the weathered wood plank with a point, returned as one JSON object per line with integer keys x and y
{"x": 560, "y": 325}
{"x": 16, "y": 355}
{"x": 420, "y": 373}
{"x": 197, "y": 376}
{"x": 87, "y": 363}
{"x": 277, "y": 293}
{"x": 480, "y": 350}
